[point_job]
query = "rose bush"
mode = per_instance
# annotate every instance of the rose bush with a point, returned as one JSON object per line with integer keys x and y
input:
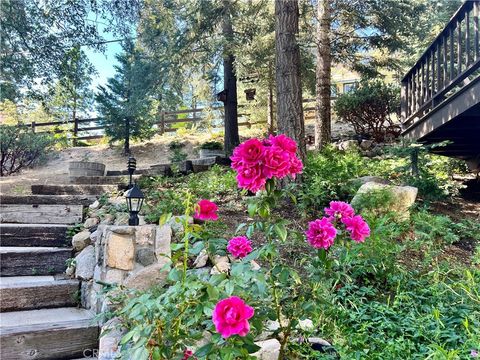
{"x": 219, "y": 315}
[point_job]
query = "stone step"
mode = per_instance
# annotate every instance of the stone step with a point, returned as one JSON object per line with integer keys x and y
{"x": 36, "y": 292}
{"x": 62, "y": 333}
{"x": 52, "y": 235}
{"x": 41, "y": 214}
{"x": 73, "y": 189}
{"x": 102, "y": 180}
{"x": 84, "y": 200}
{"x": 26, "y": 261}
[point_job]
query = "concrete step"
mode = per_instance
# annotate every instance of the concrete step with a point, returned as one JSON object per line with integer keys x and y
{"x": 26, "y": 261}
{"x": 36, "y": 292}
{"x": 62, "y": 333}
{"x": 73, "y": 189}
{"x": 84, "y": 200}
{"x": 51, "y": 235}
{"x": 41, "y": 214}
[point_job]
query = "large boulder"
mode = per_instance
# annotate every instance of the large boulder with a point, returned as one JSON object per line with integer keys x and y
{"x": 269, "y": 349}
{"x": 402, "y": 197}
{"x": 151, "y": 275}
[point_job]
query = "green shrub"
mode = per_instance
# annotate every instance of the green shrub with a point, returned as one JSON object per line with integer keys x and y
{"x": 212, "y": 145}
{"x": 371, "y": 109}
{"x": 20, "y": 148}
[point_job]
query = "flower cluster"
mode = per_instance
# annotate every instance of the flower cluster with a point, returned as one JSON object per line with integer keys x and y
{"x": 257, "y": 161}
{"x": 239, "y": 247}
{"x": 321, "y": 233}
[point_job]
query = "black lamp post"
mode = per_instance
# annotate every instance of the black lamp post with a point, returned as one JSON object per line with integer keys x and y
{"x": 134, "y": 197}
{"x": 131, "y": 166}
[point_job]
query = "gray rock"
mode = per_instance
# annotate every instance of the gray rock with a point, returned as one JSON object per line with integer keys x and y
{"x": 176, "y": 223}
{"x": 146, "y": 277}
{"x": 86, "y": 294}
{"x": 95, "y": 205}
{"x": 108, "y": 219}
{"x": 201, "y": 259}
{"x": 90, "y": 223}
{"x": 403, "y": 197}
{"x": 366, "y": 144}
{"x": 201, "y": 273}
{"x": 145, "y": 256}
{"x": 348, "y": 145}
{"x": 85, "y": 263}
{"x": 375, "y": 179}
{"x": 81, "y": 240}
{"x": 111, "y": 334}
{"x": 163, "y": 240}
{"x": 270, "y": 349}
{"x": 94, "y": 236}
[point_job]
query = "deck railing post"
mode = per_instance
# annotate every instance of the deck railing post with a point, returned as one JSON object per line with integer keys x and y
{"x": 75, "y": 131}
{"x": 404, "y": 100}
{"x": 162, "y": 122}
{"x": 33, "y": 126}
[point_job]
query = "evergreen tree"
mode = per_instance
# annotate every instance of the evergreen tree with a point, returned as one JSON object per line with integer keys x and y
{"x": 125, "y": 103}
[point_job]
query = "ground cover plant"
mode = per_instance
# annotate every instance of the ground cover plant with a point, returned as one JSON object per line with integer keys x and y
{"x": 376, "y": 286}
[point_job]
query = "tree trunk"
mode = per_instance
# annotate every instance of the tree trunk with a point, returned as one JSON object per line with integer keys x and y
{"x": 231, "y": 137}
{"x": 127, "y": 136}
{"x": 323, "y": 132}
{"x": 75, "y": 122}
{"x": 270, "y": 116}
{"x": 287, "y": 62}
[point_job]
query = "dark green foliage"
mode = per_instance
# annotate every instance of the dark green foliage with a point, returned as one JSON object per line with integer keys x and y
{"x": 20, "y": 148}
{"x": 126, "y": 98}
{"x": 212, "y": 145}
{"x": 371, "y": 109}
{"x": 166, "y": 195}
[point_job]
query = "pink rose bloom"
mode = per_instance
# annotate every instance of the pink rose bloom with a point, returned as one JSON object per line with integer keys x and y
{"x": 340, "y": 210}
{"x": 230, "y": 317}
{"x": 284, "y": 143}
{"x": 358, "y": 228}
{"x": 239, "y": 246}
{"x": 277, "y": 163}
{"x": 321, "y": 233}
{"x": 251, "y": 178}
{"x": 249, "y": 152}
{"x": 187, "y": 354}
{"x": 296, "y": 166}
{"x": 206, "y": 210}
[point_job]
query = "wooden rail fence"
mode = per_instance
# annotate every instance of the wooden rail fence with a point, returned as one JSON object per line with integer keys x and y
{"x": 81, "y": 129}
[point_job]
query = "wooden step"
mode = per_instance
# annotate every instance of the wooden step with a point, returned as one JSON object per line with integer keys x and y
{"x": 101, "y": 180}
{"x": 73, "y": 189}
{"x": 36, "y": 292}
{"x": 62, "y": 333}
{"x": 41, "y": 214}
{"x": 26, "y": 261}
{"x": 84, "y": 200}
{"x": 34, "y": 235}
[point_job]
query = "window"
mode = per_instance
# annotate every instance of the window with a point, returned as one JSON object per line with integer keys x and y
{"x": 333, "y": 90}
{"x": 347, "y": 87}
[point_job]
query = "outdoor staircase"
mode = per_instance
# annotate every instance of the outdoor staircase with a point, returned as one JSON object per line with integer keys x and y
{"x": 40, "y": 316}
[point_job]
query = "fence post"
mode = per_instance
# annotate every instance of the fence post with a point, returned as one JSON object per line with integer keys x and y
{"x": 75, "y": 130}
{"x": 127, "y": 135}
{"x": 33, "y": 126}
{"x": 162, "y": 122}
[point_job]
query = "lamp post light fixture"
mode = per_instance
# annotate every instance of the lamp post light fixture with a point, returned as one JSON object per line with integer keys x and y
{"x": 134, "y": 197}
{"x": 131, "y": 166}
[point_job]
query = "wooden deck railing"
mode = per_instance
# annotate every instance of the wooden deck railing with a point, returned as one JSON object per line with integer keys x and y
{"x": 447, "y": 63}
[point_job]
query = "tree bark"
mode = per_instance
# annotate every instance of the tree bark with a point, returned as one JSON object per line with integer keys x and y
{"x": 270, "y": 115}
{"x": 231, "y": 137}
{"x": 323, "y": 132}
{"x": 287, "y": 62}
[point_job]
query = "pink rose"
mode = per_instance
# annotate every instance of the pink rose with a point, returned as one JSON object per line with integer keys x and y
{"x": 251, "y": 178}
{"x": 284, "y": 143}
{"x": 239, "y": 246}
{"x": 206, "y": 210}
{"x": 358, "y": 228}
{"x": 321, "y": 233}
{"x": 339, "y": 210}
{"x": 188, "y": 354}
{"x": 230, "y": 317}
{"x": 277, "y": 163}
{"x": 249, "y": 152}
{"x": 296, "y": 166}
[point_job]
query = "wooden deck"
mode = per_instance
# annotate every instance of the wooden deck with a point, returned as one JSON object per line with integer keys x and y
{"x": 441, "y": 92}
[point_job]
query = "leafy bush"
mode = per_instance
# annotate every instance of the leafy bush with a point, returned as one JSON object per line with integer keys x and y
{"x": 212, "y": 145}
{"x": 371, "y": 109}
{"x": 21, "y": 148}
